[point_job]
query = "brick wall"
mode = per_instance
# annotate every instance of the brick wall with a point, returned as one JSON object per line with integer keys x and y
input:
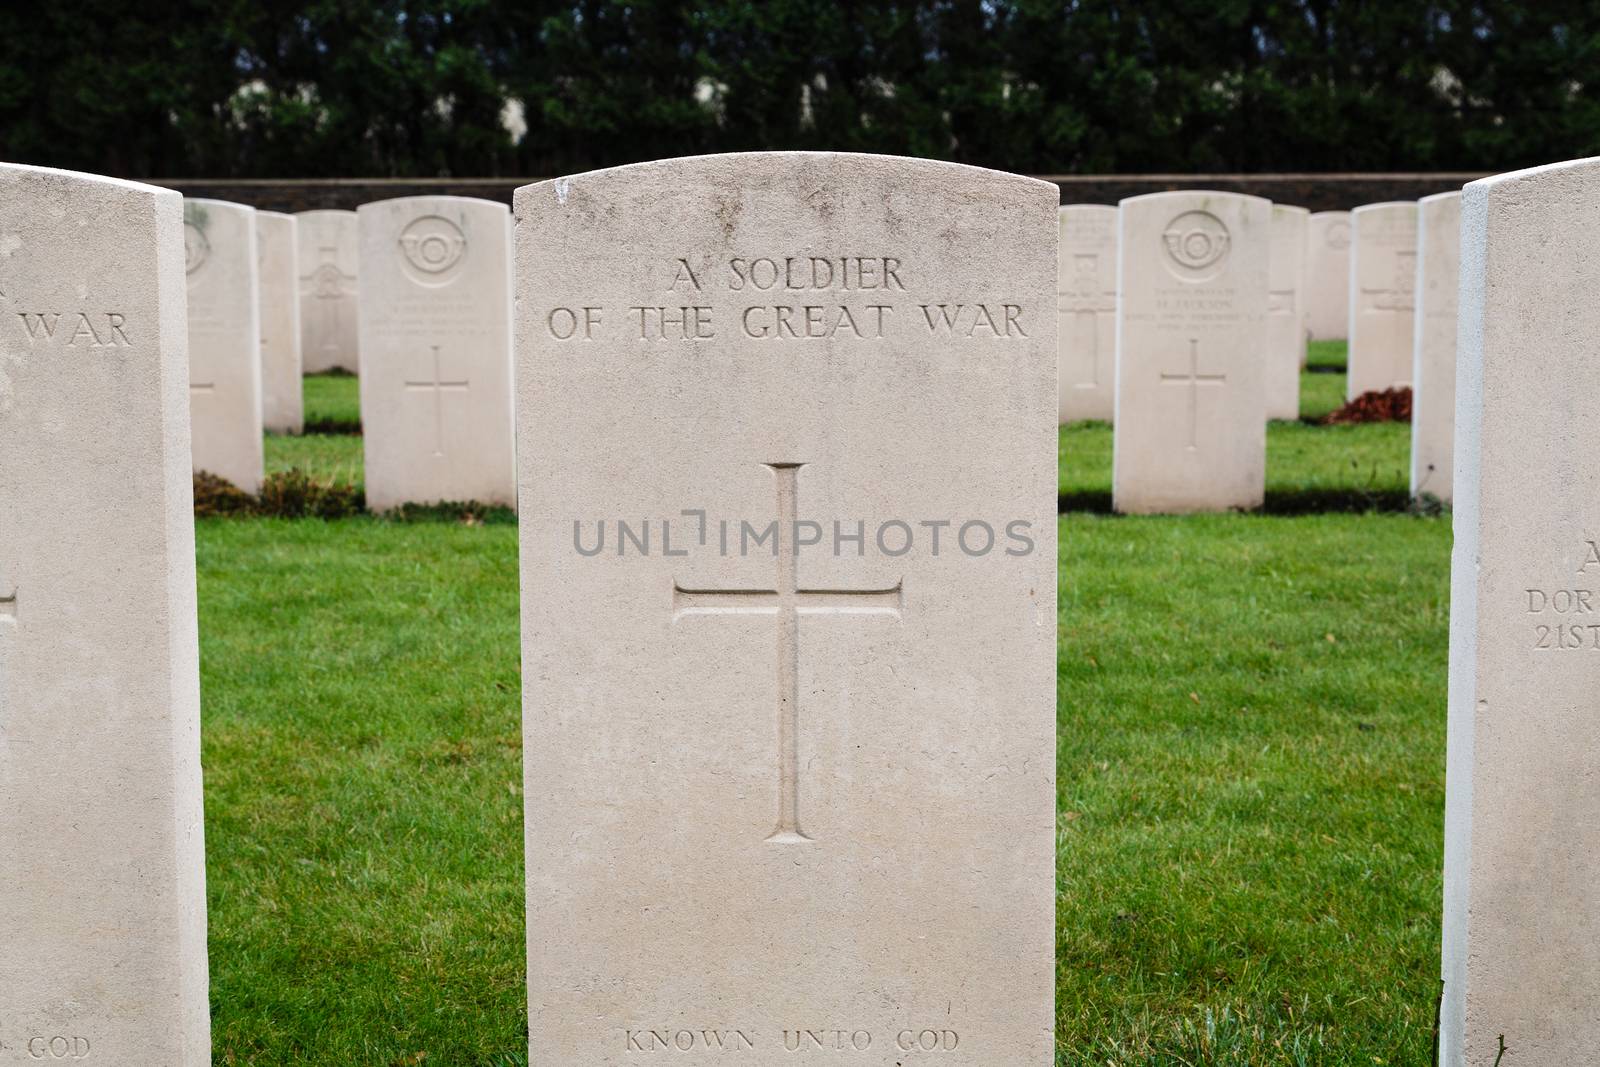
{"x": 1319, "y": 192}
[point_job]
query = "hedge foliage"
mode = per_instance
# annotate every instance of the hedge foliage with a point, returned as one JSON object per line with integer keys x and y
{"x": 308, "y": 88}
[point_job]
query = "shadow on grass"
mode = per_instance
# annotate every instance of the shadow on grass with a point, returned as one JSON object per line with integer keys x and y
{"x": 1315, "y": 501}
{"x": 333, "y": 427}
{"x": 294, "y": 494}
{"x": 465, "y": 513}
{"x": 1091, "y": 500}
{"x": 1308, "y": 501}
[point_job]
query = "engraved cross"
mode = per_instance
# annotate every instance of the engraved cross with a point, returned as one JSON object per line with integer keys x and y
{"x": 1194, "y": 380}
{"x": 329, "y": 285}
{"x": 438, "y": 387}
{"x": 787, "y": 602}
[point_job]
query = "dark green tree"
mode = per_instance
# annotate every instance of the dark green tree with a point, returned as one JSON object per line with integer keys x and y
{"x": 305, "y": 88}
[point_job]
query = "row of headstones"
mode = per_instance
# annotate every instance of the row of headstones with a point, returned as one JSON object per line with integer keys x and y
{"x": 421, "y": 285}
{"x": 1221, "y": 293}
{"x": 433, "y": 312}
{"x": 859, "y": 816}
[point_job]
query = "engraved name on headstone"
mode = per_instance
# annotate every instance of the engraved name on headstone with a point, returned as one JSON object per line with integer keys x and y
{"x": 752, "y": 391}
{"x": 102, "y": 858}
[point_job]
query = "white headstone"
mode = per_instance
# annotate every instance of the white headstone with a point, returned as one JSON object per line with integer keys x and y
{"x": 102, "y": 885}
{"x": 787, "y": 799}
{"x": 1522, "y": 846}
{"x": 1328, "y": 276}
{"x": 224, "y": 340}
{"x": 436, "y": 342}
{"x": 1286, "y": 312}
{"x": 1383, "y": 277}
{"x": 282, "y": 404}
{"x": 1086, "y": 306}
{"x": 1433, "y": 400}
{"x": 1191, "y": 424}
{"x": 328, "y": 291}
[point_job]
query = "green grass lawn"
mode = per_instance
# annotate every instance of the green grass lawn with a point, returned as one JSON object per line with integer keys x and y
{"x": 326, "y": 457}
{"x": 1326, "y": 354}
{"x": 1320, "y": 393}
{"x": 1308, "y": 467}
{"x": 1250, "y": 761}
{"x": 1251, "y": 768}
{"x": 334, "y": 398}
{"x": 362, "y": 748}
{"x": 330, "y": 400}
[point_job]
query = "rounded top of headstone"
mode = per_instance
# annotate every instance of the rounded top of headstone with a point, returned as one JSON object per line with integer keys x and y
{"x": 275, "y": 216}
{"x": 1385, "y": 205}
{"x": 1194, "y": 194}
{"x": 737, "y": 168}
{"x": 218, "y": 205}
{"x": 1290, "y": 209}
{"x": 325, "y": 212}
{"x": 66, "y": 178}
{"x": 1088, "y": 209}
{"x": 1331, "y": 215}
{"x": 1544, "y": 173}
{"x": 1437, "y": 197}
{"x": 428, "y": 201}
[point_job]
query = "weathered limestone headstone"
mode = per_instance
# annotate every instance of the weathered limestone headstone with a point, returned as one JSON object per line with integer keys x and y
{"x": 282, "y": 403}
{"x": 436, "y": 351}
{"x": 797, "y": 796}
{"x": 1086, "y": 307}
{"x": 1522, "y": 846}
{"x": 328, "y": 291}
{"x": 224, "y": 340}
{"x": 1383, "y": 277}
{"x": 1328, "y": 276}
{"x": 1433, "y": 403}
{"x": 1191, "y": 421}
{"x": 102, "y": 885}
{"x": 1286, "y": 312}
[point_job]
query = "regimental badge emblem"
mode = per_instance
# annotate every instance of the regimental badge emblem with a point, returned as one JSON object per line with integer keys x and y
{"x": 328, "y": 282}
{"x": 1197, "y": 244}
{"x": 432, "y": 248}
{"x": 196, "y": 249}
{"x": 1339, "y": 236}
